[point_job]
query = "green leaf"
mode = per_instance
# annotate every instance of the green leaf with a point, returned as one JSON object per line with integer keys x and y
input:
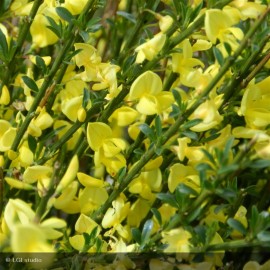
{"x": 64, "y": 14}
{"x": 260, "y": 163}
{"x": 86, "y": 97}
{"x": 127, "y": 16}
{"x": 32, "y": 143}
{"x": 3, "y": 46}
{"x": 218, "y": 55}
{"x": 209, "y": 156}
{"x": 177, "y": 97}
{"x": 168, "y": 198}
{"x": 191, "y": 123}
{"x": 190, "y": 134}
{"x": 30, "y": 83}
{"x": 228, "y": 169}
{"x": 184, "y": 189}
{"x": 228, "y": 48}
{"x": 237, "y": 225}
{"x": 54, "y": 27}
{"x": 136, "y": 234}
{"x": 157, "y": 215}
{"x": 146, "y": 232}
{"x": 40, "y": 63}
{"x": 264, "y": 236}
{"x": 147, "y": 131}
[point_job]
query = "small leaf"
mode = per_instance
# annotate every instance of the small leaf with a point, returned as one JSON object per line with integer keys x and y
{"x": 32, "y": 143}
{"x": 64, "y": 14}
{"x": 190, "y": 134}
{"x": 30, "y": 83}
{"x": 184, "y": 189}
{"x": 3, "y": 46}
{"x": 191, "y": 123}
{"x": 218, "y": 56}
{"x": 146, "y": 232}
{"x": 177, "y": 97}
{"x": 168, "y": 198}
{"x": 40, "y": 63}
{"x": 264, "y": 236}
{"x": 228, "y": 48}
{"x": 54, "y": 27}
{"x": 136, "y": 234}
{"x": 147, "y": 131}
{"x": 228, "y": 169}
{"x": 237, "y": 225}
{"x": 157, "y": 215}
{"x": 260, "y": 163}
{"x": 127, "y": 16}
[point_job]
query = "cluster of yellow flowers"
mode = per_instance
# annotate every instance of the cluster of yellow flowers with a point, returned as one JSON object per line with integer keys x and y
{"x": 87, "y": 180}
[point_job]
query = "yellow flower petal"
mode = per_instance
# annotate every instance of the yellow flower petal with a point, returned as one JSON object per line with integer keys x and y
{"x": 18, "y": 184}
{"x": 35, "y": 173}
{"x": 85, "y": 224}
{"x": 96, "y": 134}
{"x": 147, "y": 83}
{"x": 89, "y": 181}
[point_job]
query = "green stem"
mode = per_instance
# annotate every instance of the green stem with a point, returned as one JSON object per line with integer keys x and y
{"x": 236, "y": 244}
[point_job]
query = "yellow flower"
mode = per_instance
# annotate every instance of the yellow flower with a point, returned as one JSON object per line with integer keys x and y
{"x": 148, "y": 89}
{"x": 40, "y": 123}
{"x": 183, "y": 63}
{"x": 114, "y": 216}
{"x": 21, "y": 7}
{"x": 124, "y": 116}
{"x": 138, "y": 212}
{"x": 29, "y": 238}
{"x": 107, "y": 148}
{"x": 7, "y": 135}
{"x": 42, "y": 36}
{"x": 84, "y": 224}
{"x": 218, "y": 26}
{"x": 177, "y": 240}
{"x": 248, "y": 9}
{"x": 214, "y": 216}
{"x": 255, "y": 105}
{"x": 106, "y": 78}
{"x": 165, "y": 22}
{"x": 180, "y": 173}
{"x": 36, "y": 173}
{"x": 208, "y": 113}
{"x": 150, "y": 48}
{"x": 88, "y": 58}
{"x": 91, "y": 198}
{"x": 69, "y": 175}
{"x": 89, "y": 181}
{"x": 75, "y": 7}
{"x": 50, "y": 227}
{"x": 67, "y": 201}
{"x": 146, "y": 183}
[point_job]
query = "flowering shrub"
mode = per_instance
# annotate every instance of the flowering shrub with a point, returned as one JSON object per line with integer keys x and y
{"x": 135, "y": 127}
